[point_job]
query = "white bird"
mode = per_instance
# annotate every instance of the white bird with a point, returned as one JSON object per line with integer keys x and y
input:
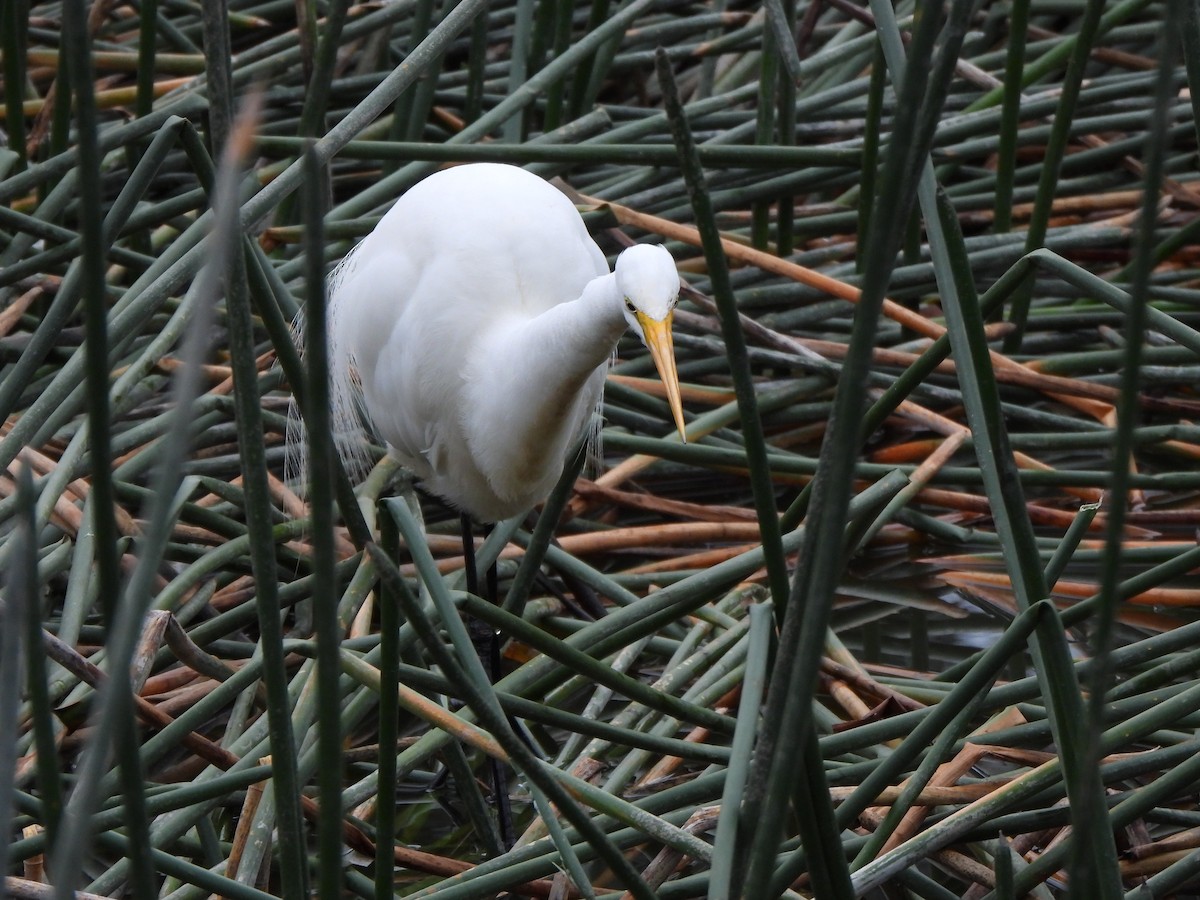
{"x": 478, "y": 320}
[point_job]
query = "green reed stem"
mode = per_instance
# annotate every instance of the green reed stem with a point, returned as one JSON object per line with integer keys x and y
{"x": 735, "y": 340}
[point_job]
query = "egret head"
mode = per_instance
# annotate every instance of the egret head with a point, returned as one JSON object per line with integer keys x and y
{"x": 649, "y": 286}
{"x": 648, "y": 282}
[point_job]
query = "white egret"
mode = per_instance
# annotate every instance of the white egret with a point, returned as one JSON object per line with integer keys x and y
{"x": 478, "y": 319}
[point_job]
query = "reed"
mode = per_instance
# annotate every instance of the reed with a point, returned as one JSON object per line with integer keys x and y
{"x": 912, "y": 612}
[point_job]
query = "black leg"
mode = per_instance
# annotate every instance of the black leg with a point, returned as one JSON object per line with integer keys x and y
{"x": 487, "y": 646}
{"x": 468, "y": 544}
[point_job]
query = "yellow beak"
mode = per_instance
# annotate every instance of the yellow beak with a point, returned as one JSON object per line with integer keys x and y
{"x": 662, "y": 351}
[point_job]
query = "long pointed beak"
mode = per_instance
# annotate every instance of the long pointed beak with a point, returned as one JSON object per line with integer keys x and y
{"x": 662, "y": 351}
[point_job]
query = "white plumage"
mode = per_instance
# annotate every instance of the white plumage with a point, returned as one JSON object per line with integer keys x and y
{"x": 478, "y": 319}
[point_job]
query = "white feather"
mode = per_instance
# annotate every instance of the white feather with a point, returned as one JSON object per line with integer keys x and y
{"x": 474, "y": 327}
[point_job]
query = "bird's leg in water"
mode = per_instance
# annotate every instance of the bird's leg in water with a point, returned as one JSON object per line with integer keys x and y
{"x": 487, "y": 645}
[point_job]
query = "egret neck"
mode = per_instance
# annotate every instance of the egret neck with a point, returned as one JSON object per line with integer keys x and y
{"x": 527, "y": 408}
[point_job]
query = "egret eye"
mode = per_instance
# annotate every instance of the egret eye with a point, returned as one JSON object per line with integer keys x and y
{"x": 629, "y": 305}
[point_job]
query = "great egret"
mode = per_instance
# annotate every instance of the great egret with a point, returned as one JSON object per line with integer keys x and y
{"x": 478, "y": 319}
